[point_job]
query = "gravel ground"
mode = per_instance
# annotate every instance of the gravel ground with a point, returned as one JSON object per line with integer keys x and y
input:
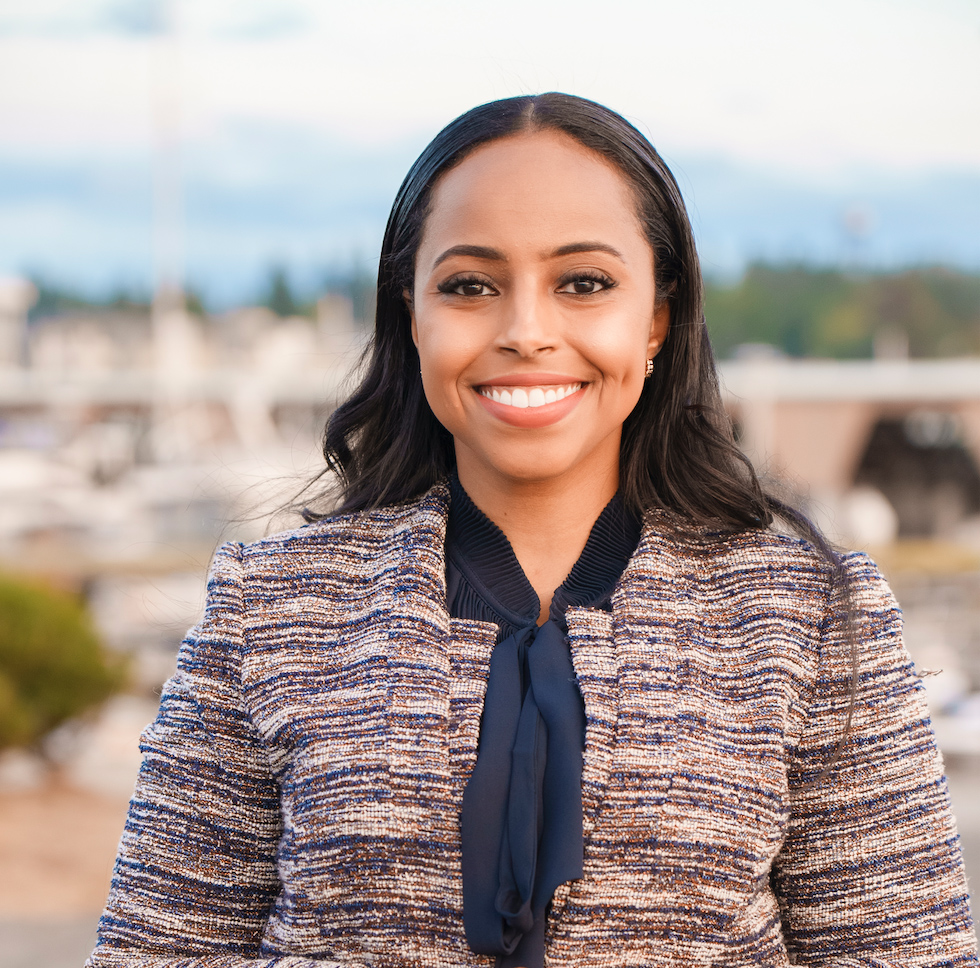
{"x": 46, "y": 944}
{"x": 56, "y": 850}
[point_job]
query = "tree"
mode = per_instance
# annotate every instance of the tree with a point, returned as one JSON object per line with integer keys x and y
{"x": 52, "y": 664}
{"x": 280, "y": 297}
{"x": 829, "y": 313}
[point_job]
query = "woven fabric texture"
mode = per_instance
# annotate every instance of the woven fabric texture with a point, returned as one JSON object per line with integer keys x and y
{"x": 299, "y": 800}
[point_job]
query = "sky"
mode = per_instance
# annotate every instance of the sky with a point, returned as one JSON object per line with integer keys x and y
{"x": 842, "y": 131}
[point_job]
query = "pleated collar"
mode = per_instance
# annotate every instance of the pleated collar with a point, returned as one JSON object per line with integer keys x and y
{"x": 486, "y": 582}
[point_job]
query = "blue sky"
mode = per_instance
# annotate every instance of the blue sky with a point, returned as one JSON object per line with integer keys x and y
{"x": 784, "y": 122}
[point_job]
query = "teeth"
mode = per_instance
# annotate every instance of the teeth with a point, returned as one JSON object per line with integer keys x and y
{"x": 525, "y": 397}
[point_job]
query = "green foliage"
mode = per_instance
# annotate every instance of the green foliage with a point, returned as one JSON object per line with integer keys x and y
{"x": 830, "y": 313}
{"x": 53, "y": 299}
{"x": 359, "y": 286}
{"x": 279, "y": 296}
{"x": 194, "y": 302}
{"x": 52, "y": 666}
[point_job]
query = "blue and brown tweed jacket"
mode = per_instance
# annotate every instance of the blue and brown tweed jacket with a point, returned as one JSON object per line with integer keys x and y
{"x": 299, "y": 800}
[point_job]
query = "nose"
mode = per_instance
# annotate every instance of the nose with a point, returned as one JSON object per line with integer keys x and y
{"x": 529, "y": 324}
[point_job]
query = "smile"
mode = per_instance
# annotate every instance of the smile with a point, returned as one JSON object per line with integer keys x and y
{"x": 528, "y": 397}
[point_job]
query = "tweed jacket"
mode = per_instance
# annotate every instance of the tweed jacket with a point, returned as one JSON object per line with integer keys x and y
{"x": 299, "y": 800}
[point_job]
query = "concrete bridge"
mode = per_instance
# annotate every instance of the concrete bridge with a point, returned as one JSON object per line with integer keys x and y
{"x": 840, "y": 430}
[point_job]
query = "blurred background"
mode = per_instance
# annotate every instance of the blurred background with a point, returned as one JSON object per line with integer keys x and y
{"x": 192, "y": 195}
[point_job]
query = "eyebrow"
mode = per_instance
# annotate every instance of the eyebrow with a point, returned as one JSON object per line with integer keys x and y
{"x": 474, "y": 251}
{"x": 495, "y": 255}
{"x": 575, "y": 247}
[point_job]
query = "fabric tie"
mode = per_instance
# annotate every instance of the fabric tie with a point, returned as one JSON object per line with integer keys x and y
{"x": 522, "y": 807}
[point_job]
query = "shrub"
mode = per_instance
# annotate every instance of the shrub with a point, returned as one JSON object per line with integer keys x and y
{"x": 52, "y": 664}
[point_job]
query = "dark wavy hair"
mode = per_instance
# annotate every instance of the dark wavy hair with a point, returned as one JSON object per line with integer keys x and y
{"x": 385, "y": 445}
{"x": 678, "y": 453}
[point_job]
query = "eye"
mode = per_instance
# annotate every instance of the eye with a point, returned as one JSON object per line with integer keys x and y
{"x": 585, "y": 283}
{"x": 467, "y": 286}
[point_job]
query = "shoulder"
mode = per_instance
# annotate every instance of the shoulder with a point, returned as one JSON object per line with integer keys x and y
{"x": 353, "y": 544}
{"x": 711, "y": 554}
{"x": 765, "y": 564}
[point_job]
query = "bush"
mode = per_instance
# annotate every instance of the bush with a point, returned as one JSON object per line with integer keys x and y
{"x": 52, "y": 665}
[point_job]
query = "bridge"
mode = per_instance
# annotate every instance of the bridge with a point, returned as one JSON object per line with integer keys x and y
{"x": 838, "y": 431}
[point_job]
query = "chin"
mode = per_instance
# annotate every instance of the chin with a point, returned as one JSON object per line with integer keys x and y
{"x": 534, "y": 465}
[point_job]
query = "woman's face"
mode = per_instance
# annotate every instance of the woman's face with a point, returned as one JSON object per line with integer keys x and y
{"x": 534, "y": 311}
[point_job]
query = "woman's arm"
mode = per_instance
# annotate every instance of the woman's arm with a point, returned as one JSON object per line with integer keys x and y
{"x": 196, "y": 876}
{"x": 870, "y": 874}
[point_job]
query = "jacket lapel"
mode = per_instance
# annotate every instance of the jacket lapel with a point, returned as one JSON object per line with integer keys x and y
{"x": 648, "y": 609}
{"x": 437, "y": 666}
{"x": 415, "y": 623}
{"x": 594, "y": 658}
{"x": 470, "y": 645}
{"x": 629, "y": 669}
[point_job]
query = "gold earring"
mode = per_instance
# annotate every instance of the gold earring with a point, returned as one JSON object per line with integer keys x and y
{"x": 649, "y": 372}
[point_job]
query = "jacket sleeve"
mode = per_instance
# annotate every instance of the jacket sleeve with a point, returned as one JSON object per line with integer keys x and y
{"x": 195, "y": 877}
{"x": 870, "y": 874}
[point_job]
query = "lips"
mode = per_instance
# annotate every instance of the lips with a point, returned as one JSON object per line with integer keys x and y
{"x": 530, "y": 400}
{"x": 528, "y": 397}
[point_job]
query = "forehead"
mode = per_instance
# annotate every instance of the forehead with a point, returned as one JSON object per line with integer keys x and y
{"x": 540, "y": 184}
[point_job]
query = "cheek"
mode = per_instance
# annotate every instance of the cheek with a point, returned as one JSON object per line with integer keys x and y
{"x": 620, "y": 351}
{"x": 444, "y": 358}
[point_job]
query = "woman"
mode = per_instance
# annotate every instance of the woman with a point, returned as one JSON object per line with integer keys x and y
{"x": 546, "y": 687}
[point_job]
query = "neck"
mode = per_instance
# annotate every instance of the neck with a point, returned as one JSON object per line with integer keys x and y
{"x": 546, "y": 522}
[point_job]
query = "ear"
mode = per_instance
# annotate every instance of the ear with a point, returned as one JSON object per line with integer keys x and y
{"x": 659, "y": 327}
{"x": 410, "y": 305}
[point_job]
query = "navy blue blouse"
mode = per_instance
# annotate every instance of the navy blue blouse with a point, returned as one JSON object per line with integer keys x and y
{"x": 522, "y": 807}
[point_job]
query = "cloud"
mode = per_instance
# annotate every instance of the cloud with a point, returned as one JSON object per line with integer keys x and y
{"x": 137, "y": 17}
{"x": 805, "y": 86}
{"x": 254, "y": 20}
{"x": 221, "y": 19}
{"x": 51, "y": 17}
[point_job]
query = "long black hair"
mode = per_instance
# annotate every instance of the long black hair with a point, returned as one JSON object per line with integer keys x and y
{"x": 678, "y": 453}
{"x": 384, "y": 444}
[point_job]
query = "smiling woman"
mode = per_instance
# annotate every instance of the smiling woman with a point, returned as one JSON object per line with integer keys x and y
{"x": 546, "y": 686}
{"x": 534, "y": 279}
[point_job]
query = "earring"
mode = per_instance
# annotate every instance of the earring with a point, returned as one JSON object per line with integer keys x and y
{"x": 649, "y": 372}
